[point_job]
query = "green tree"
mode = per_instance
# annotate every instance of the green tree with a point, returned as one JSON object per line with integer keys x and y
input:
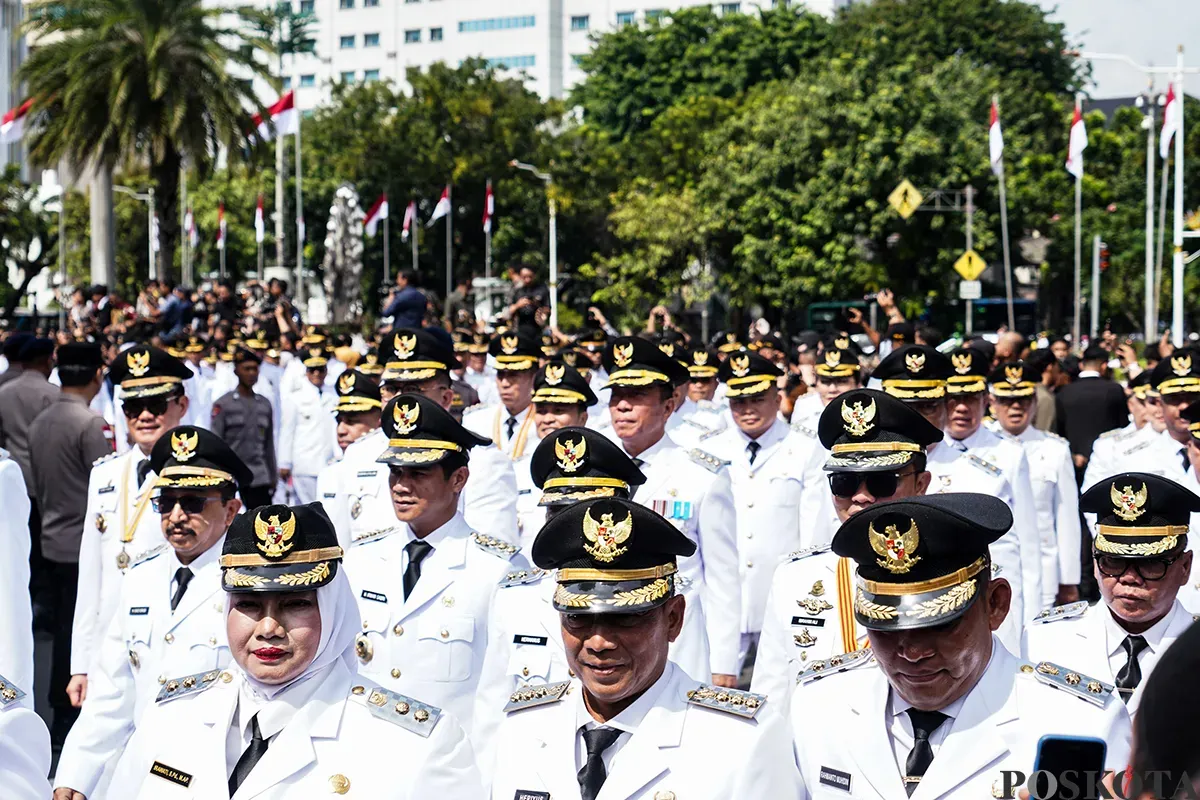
{"x": 28, "y": 235}
{"x": 150, "y": 82}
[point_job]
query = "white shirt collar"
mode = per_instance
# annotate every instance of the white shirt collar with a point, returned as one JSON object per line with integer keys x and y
{"x": 1088, "y": 373}
{"x": 771, "y": 436}
{"x": 203, "y": 562}
{"x": 629, "y": 719}
{"x": 439, "y": 535}
{"x": 1115, "y": 634}
{"x": 648, "y": 454}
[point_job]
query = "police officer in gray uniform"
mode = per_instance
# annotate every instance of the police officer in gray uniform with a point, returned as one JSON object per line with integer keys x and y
{"x": 245, "y": 421}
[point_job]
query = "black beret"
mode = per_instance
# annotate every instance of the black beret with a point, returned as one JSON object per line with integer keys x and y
{"x": 280, "y": 549}
{"x": 573, "y": 464}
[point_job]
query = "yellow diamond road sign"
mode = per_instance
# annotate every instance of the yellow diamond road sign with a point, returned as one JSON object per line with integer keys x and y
{"x": 906, "y": 199}
{"x": 970, "y": 266}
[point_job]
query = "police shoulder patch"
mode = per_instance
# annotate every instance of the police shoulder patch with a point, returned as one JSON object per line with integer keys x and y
{"x": 522, "y": 577}
{"x": 146, "y": 555}
{"x": 103, "y": 459}
{"x": 191, "y": 684}
{"x": 983, "y": 464}
{"x": 707, "y": 460}
{"x": 498, "y": 547}
{"x": 372, "y": 536}
{"x": 398, "y": 709}
{"x": 797, "y": 555}
{"x": 834, "y": 665}
{"x": 9, "y": 693}
{"x": 1086, "y": 688}
{"x": 731, "y": 701}
{"x": 534, "y": 695}
{"x": 1068, "y": 611}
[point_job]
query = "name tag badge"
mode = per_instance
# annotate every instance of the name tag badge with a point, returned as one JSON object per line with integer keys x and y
{"x": 171, "y": 774}
{"x": 376, "y": 596}
{"x": 524, "y": 491}
{"x": 812, "y": 622}
{"x": 330, "y": 495}
{"x": 521, "y": 638}
{"x": 835, "y": 778}
{"x": 139, "y": 611}
{"x": 368, "y": 473}
{"x": 526, "y": 794}
{"x": 107, "y": 489}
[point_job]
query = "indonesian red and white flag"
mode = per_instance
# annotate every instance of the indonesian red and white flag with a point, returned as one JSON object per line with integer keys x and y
{"x": 378, "y": 212}
{"x": 221, "y": 226}
{"x": 489, "y": 208}
{"x": 189, "y": 225}
{"x": 1076, "y": 145}
{"x": 996, "y": 141}
{"x": 260, "y": 227}
{"x": 410, "y": 219}
{"x": 280, "y": 118}
{"x": 1170, "y": 125}
{"x": 442, "y": 208}
{"x": 12, "y": 125}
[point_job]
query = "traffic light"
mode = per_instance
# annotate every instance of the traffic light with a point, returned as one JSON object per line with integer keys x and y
{"x": 1104, "y": 253}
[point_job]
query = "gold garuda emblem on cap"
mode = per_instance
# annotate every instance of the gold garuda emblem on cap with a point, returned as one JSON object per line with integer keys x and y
{"x": 962, "y": 363}
{"x": 667, "y": 348}
{"x": 914, "y": 362}
{"x": 740, "y": 365}
{"x": 183, "y": 447}
{"x": 274, "y": 537}
{"x": 833, "y": 358}
{"x": 700, "y": 358}
{"x": 623, "y": 354}
{"x": 606, "y": 536}
{"x": 555, "y": 373}
{"x": 569, "y": 454}
{"x": 842, "y": 343}
{"x": 138, "y": 363}
{"x": 372, "y": 359}
{"x": 857, "y": 418}
{"x": 570, "y": 358}
{"x": 1013, "y": 375}
{"x": 404, "y": 346}
{"x": 896, "y": 548}
{"x": 509, "y": 344}
{"x": 1181, "y": 365}
{"x": 1128, "y": 504}
{"x": 346, "y": 382}
{"x": 405, "y": 418}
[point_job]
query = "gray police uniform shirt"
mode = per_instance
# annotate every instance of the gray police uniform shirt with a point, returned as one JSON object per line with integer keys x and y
{"x": 21, "y": 400}
{"x": 247, "y": 426}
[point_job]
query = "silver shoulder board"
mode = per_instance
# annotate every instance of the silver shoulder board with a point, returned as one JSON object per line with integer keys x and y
{"x": 1085, "y": 688}
{"x": 540, "y": 695}
{"x": 190, "y": 684}
{"x": 834, "y": 665}
{"x": 398, "y": 709}
{"x": 731, "y": 701}
{"x": 1068, "y": 611}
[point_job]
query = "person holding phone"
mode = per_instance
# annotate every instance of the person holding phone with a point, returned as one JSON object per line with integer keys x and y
{"x": 937, "y": 707}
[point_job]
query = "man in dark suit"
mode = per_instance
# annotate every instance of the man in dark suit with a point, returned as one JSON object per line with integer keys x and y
{"x": 1088, "y": 406}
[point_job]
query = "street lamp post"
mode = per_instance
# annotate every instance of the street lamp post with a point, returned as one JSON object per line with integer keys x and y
{"x": 147, "y": 198}
{"x": 549, "y": 182}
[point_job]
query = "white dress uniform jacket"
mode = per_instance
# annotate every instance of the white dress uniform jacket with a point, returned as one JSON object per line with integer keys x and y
{"x": 692, "y": 489}
{"x": 119, "y": 529}
{"x": 1109, "y": 451}
{"x": 337, "y": 743}
{"x": 492, "y": 422}
{"x": 1088, "y": 638}
{"x": 16, "y": 623}
{"x": 488, "y": 502}
{"x": 844, "y": 743}
{"x": 25, "y": 743}
{"x": 1007, "y": 454}
{"x": 671, "y": 747}
{"x": 308, "y": 437}
{"x": 484, "y": 383}
{"x": 431, "y": 645}
{"x": 767, "y": 497}
{"x": 530, "y": 516}
{"x": 146, "y": 644}
{"x": 693, "y": 423}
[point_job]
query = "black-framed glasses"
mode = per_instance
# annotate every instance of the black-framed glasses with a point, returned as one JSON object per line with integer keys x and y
{"x": 1150, "y": 569}
{"x": 133, "y": 407}
{"x": 879, "y": 484}
{"x": 188, "y": 503}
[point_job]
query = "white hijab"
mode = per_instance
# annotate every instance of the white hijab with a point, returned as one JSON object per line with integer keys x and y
{"x": 339, "y": 627}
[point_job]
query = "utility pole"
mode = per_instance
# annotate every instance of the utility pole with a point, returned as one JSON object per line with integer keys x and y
{"x": 970, "y": 191}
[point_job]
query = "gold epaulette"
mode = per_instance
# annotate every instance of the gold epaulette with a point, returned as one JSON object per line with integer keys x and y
{"x": 495, "y": 546}
{"x": 1068, "y": 611}
{"x": 191, "y": 684}
{"x": 9, "y": 692}
{"x": 539, "y": 695}
{"x": 522, "y": 577}
{"x": 834, "y": 665}
{"x": 731, "y": 701}
{"x": 412, "y": 715}
{"x": 707, "y": 460}
{"x": 1085, "y": 688}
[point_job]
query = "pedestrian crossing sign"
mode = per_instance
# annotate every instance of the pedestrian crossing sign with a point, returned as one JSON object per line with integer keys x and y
{"x": 906, "y": 199}
{"x": 970, "y": 266}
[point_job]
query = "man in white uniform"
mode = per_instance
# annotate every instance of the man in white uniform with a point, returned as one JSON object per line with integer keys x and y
{"x": 356, "y": 415}
{"x": 509, "y": 424}
{"x": 308, "y": 436}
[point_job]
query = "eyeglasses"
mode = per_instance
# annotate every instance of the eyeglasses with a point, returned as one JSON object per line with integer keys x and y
{"x": 1150, "y": 569}
{"x": 879, "y": 484}
{"x": 133, "y": 407}
{"x": 188, "y": 503}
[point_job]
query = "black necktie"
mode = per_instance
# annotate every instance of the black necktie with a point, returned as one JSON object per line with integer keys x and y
{"x": 511, "y": 424}
{"x": 253, "y": 752}
{"x": 417, "y": 550}
{"x": 183, "y": 577}
{"x": 921, "y": 756}
{"x": 143, "y": 469}
{"x": 592, "y": 776}
{"x": 1131, "y": 674}
{"x": 637, "y": 462}
{"x": 753, "y": 447}
{"x": 1183, "y": 456}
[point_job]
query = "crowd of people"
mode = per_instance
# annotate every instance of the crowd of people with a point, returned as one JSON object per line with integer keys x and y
{"x": 486, "y": 558}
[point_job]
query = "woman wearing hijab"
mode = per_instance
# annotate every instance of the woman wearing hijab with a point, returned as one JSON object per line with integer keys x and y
{"x": 290, "y": 718}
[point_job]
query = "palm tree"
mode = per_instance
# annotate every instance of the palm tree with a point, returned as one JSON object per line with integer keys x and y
{"x": 124, "y": 82}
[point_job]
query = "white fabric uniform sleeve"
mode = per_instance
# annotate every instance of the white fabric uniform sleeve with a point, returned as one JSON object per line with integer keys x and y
{"x": 489, "y": 500}
{"x": 722, "y": 584}
{"x": 16, "y": 625}
{"x": 1066, "y": 523}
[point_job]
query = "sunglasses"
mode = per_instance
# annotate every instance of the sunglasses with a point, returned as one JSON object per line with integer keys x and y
{"x": 188, "y": 503}
{"x": 133, "y": 407}
{"x": 1150, "y": 569}
{"x": 879, "y": 484}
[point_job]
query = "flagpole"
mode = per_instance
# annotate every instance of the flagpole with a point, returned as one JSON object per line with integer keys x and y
{"x": 224, "y": 244}
{"x": 183, "y": 199}
{"x": 1078, "y": 246}
{"x": 280, "y": 234}
{"x": 1008, "y": 289}
{"x": 1150, "y": 323}
{"x": 1162, "y": 236}
{"x": 1177, "y": 265}
{"x": 300, "y": 293}
{"x": 387, "y": 269}
{"x": 449, "y": 235}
